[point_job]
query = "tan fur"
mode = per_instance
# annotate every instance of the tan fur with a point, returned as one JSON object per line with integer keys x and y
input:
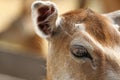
{"x": 98, "y": 28}
{"x": 99, "y": 37}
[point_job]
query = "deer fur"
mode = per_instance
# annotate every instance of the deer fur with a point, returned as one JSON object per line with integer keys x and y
{"x": 97, "y": 33}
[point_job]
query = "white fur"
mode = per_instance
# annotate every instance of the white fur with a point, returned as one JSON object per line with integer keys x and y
{"x": 59, "y": 21}
{"x": 113, "y": 53}
{"x": 80, "y": 26}
{"x": 112, "y": 75}
{"x": 116, "y": 26}
{"x": 48, "y": 3}
{"x": 117, "y": 49}
{"x": 63, "y": 76}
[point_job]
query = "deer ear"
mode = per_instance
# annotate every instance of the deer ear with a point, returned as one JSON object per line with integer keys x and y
{"x": 44, "y": 15}
{"x": 115, "y": 18}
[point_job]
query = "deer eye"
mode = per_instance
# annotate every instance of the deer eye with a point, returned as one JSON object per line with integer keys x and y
{"x": 80, "y": 52}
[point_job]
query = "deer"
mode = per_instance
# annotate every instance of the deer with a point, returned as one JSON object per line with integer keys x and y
{"x": 82, "y": 44}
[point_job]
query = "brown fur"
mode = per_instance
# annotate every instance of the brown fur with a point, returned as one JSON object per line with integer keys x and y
{"x": 99, "y": 29}
{"x": 95, "y": 33}
{"x": 96, "y": 25}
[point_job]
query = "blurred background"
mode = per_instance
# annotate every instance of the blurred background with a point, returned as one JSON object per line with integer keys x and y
{"x": 22, "y": 53}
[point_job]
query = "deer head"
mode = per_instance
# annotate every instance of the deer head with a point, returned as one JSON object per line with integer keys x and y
{"x": 83, "y": 45}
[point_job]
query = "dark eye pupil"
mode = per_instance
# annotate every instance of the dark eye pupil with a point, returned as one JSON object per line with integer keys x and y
{"x": 80, "y": 52}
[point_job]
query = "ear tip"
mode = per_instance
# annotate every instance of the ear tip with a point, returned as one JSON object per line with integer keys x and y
{"x": 43, "y": 2}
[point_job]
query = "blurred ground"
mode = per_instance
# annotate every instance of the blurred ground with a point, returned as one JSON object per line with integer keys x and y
{"x": 22, "y": 66}
{"x": 7, "y": 77}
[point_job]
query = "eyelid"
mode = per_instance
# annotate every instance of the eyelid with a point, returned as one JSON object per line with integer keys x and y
{"x": 80, "y": 51}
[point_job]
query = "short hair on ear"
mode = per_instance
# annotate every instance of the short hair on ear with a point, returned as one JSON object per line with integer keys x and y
{"x": 115, "y": 18}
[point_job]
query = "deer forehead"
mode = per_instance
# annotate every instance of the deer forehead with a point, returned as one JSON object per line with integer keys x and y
{"x": 97, "y": 26}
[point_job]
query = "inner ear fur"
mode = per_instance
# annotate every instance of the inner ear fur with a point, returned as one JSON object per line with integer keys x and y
{"x": 44, "y": 14}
